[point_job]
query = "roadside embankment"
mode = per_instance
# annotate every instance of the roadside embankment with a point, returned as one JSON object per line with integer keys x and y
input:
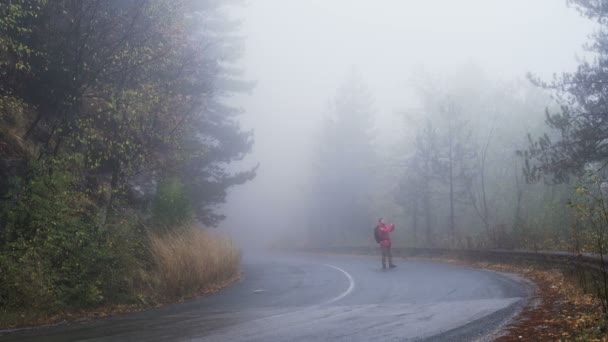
{"x": 181, "y": 264}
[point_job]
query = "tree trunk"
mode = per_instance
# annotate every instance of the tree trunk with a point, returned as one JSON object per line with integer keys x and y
{"x": 427, "y": 202}
{"x": 415, "y": 219}
{"x": 451, "y": 225}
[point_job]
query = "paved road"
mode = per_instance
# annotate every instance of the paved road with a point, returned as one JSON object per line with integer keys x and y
{"x": 322, "y": 298}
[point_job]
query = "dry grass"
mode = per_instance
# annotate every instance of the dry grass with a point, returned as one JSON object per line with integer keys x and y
{"x": 191, "y": 262}
{"x": 187, "y": 263}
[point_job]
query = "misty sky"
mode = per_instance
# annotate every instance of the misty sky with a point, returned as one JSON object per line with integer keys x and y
{"x": 299, "y": 51}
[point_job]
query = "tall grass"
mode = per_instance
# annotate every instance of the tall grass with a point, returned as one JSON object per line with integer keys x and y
{"x": 191, "y": 261}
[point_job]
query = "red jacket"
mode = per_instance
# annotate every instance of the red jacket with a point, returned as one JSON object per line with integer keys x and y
{"x": 384, "y": 231}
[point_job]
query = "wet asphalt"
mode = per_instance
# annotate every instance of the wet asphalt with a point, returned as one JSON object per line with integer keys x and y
{"x": 322, "y": 298}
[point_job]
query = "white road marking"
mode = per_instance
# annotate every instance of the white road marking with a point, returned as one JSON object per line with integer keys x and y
{"x": 351, "y": 285}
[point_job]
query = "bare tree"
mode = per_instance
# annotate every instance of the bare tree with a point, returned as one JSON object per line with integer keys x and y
{"x": 478, "y": 195}
{"x": 455, "y": 158}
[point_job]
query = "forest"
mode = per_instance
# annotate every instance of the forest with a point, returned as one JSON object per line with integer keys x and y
{"x": 107, "y": 109}
{"x": 479, "y": 162}
{"x": 121, "y": 139}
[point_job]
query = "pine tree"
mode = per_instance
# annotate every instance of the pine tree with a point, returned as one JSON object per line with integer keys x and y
{"x": 578, "y": 140}
{"x": 344, "y": 172}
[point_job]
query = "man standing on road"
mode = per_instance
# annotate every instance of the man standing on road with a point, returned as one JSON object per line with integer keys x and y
{"x": 383, "y": 232}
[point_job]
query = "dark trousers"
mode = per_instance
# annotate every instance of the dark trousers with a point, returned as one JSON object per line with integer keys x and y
{"x": 386, "y": 253}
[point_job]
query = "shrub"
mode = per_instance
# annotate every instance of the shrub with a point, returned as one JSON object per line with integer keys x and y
{"x": 171, "y": 207}
{"x": 190, "y": 261}
{"x": 54, "y": 253}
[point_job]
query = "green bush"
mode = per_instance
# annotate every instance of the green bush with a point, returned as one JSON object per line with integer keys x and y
{"x": 54, "y": 252}
{"x": 171, "y": 206}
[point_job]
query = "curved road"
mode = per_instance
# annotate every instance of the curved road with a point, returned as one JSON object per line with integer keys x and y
{"x": 322, "y": 298}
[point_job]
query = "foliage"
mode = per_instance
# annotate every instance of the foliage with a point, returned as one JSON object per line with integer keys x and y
{"x": 171, "y": 204}
{"x": 592, "y": 208}
{"x": 476, "y": 127}
{"x": 52, "y": 250}
{"x": 15, "y": 20}
{"x": 577, "y": 142}
{"x": 100, "y": 101}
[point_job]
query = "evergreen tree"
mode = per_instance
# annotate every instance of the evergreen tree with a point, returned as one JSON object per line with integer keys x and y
{"x": 579, "y": 136}
{"x": 136, "y": 88}
{"x": 345, "y": 166}
{"x": 110, "y": 109}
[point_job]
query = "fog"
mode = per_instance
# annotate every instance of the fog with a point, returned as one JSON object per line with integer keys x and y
{"x": 153, "y": 151}
{"x": 300, "y": 52}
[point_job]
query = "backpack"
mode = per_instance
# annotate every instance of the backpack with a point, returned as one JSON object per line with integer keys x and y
{"x": 377, "y": 234}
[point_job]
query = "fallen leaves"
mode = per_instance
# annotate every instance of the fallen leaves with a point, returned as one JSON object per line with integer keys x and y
{"x": 558, "y": 311}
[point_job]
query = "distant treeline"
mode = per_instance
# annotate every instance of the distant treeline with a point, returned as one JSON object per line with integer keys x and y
{"x": 107, "y": 109}
{"x": 481, "y": 163}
